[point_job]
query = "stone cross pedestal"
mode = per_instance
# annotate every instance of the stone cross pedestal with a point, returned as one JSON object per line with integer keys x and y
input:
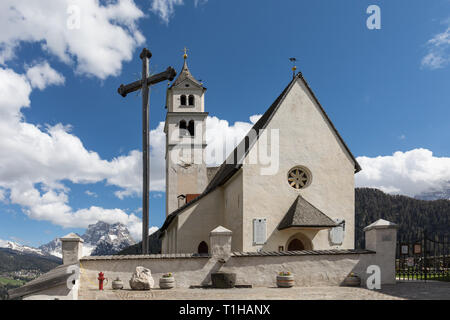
{"x": 72, "y": 248}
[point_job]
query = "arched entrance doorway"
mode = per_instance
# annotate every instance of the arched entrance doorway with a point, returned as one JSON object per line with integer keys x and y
{"x": 203, "y": 248}
{"x": 295, "y": 245}
{"x": 298, "y": 242}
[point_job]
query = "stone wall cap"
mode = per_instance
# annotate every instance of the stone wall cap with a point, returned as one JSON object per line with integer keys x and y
{"x": 72, "y": 237}
{"x": 221, "y": 231}
{"x": 381, "y": 224}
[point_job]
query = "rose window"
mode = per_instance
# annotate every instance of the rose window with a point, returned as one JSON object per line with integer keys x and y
{"x": 299, "y": 178}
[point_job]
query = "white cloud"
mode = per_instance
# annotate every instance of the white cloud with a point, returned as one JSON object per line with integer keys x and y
{"x": 107, "y": 34}
{"x": 222, "y": 137}
{"x": 409, "y": 173}
{"x": 127, "y": 172}
{"x": 35, "y": 162}
{"x": 255, "y": 118}
{"x": 199, "y": 2}
{"x": 2, "y": 195}
{"x": 165, "y": 8}
{"x": 438, "y": 55}
{"x": 42, "y": 75}
{"x": 3, "y": 243}
{"x": 91, "y": 194}
{"x": 152, "y": 230}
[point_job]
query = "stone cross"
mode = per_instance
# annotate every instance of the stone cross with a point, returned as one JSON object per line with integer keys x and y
{"x": 144, "y": 85}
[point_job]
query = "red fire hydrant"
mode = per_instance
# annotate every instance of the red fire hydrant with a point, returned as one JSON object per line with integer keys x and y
{"x": 101, "y": 278}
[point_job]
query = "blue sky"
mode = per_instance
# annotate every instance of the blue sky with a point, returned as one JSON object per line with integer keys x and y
{"x": 388, "y": 100}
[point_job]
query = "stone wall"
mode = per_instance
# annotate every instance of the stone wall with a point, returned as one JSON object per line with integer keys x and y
{"x": 315, "y": 269}
{"x": 310, "y": 268}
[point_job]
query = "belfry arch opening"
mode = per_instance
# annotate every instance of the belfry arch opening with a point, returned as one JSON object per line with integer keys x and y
{"x": 191, "y": 100}
{"x": 203, "y": 248}
{"x": 191, "y": 128}
{"x": 183, "y": 100}
{"x": 183, "y": 128}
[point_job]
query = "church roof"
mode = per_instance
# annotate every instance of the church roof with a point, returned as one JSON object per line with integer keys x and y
{"x": 304, "y": 214}
{"x": 185, "y": 74}
{"x": 229, "y": 168}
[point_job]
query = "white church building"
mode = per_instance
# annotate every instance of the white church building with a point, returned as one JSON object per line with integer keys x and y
{"x": 240, "y": 217}
{"x": 306, "y": 204}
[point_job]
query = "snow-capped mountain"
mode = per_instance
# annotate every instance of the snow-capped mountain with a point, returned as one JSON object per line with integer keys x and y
{"x": 99, "y": 239}
{"x": 21, "y": 248}
{"x": 52, "y": 248}
{"x": 107, "y": 238}
{"x": 443, "y": 193}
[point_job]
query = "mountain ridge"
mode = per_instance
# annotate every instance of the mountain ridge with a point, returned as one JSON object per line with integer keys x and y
{"x": 100, "y": 238}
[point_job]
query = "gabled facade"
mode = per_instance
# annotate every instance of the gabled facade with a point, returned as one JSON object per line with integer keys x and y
{"x": 294, "y": 207}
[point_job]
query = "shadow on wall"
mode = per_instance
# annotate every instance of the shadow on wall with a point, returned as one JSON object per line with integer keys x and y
{"x": 215, "y": 268}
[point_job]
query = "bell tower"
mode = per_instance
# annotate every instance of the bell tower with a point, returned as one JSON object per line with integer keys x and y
{"x": 185, "y": 130}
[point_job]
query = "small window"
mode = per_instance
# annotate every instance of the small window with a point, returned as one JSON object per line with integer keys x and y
{"x": 191, "y": 128}
{"x": 191, "y": 100}
{"x": 183, "y": 128}
{"x": 203, "y": 248}
{"x": 181, "y": 200}
{"x": 183, "y": 100}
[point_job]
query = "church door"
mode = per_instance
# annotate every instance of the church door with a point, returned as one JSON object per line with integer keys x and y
{"x": 296, "y": 245}
{"x": 203, "y": 248}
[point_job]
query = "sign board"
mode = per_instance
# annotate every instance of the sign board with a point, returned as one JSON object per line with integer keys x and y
{"x": 337, "y": 233}
{"x": 259, "y": 231}
{"x": 405, "y": 249}
{"x": 417, "y": 248}
{"x": 410, "y": 262}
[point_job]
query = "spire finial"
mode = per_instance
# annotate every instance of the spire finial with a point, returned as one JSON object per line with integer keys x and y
{"x": 185, "y": 53}
{"x": 294, "y": 67}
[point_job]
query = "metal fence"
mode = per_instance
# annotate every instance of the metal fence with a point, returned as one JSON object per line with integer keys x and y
{"x": 425, "y": 257}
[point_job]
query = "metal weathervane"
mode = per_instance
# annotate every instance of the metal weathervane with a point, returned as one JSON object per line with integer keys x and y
{"x": 294, "y": 67}
{"x": 144, "y": 85}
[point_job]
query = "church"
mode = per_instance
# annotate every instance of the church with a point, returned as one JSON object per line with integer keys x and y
{"x": 306, "y": 204}
{"x": 240, "y": 218}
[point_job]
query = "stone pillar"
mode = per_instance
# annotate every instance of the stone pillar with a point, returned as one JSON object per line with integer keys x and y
{"x": 220, "y": 240}
{"x": 381, "y": 237}
{"x": 72, "y": 248}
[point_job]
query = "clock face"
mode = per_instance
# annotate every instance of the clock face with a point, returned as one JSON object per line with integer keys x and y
{"x": 299, "y": 177}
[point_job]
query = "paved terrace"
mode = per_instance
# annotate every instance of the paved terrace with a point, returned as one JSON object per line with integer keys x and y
{"x": 431, "y": 290}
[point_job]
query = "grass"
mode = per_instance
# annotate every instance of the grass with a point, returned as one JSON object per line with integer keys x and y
{"x": 12, "y": 282}
{"x": 431, "y": 276}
